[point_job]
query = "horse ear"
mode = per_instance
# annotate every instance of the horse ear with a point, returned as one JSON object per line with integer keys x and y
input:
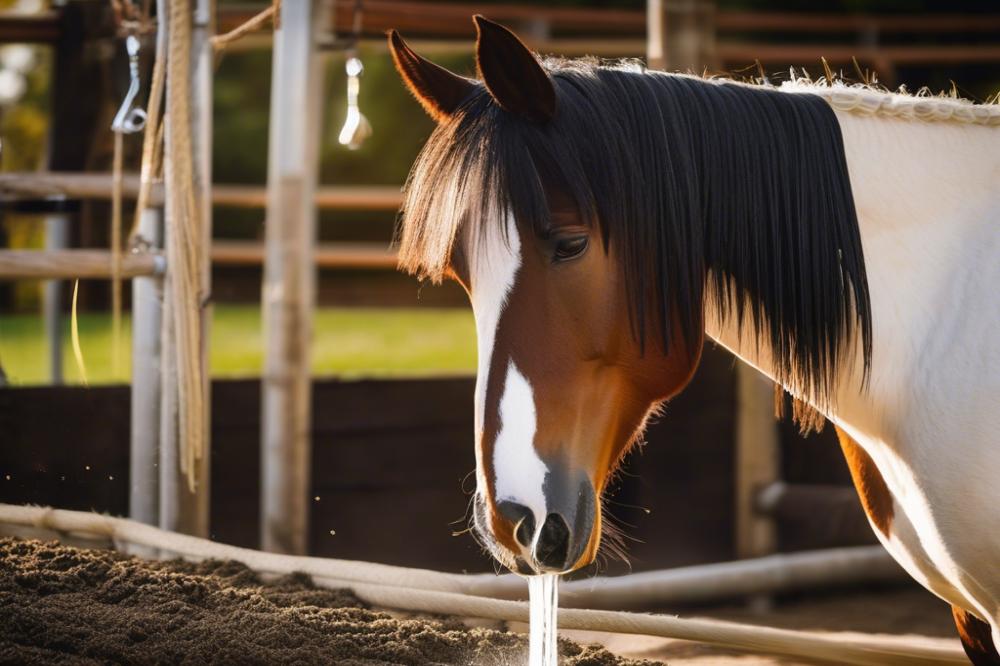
{"x": 512, "y": 74}
{"x": 439, "y": 91}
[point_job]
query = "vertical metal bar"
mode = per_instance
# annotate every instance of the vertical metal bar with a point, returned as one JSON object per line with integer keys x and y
{"x": 171, "y": 486}
{"x": 655, "y": 33}
{"x": 144, "y": 458}
{"x": 203, "y": 66}
{"x": 757, "y": 464}
{"x": 680, "y": 34}
{"x": 289, "y": 277}
{"x": 56, "y": 238}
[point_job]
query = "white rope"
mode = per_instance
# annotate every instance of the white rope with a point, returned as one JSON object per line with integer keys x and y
{"x": 434, "y": 592}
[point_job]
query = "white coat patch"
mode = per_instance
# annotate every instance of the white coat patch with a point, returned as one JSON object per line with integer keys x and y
{"x": 520, "y": 473}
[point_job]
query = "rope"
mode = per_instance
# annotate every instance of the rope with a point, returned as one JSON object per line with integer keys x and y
{"x": 74, "y": 331}
{"x": 220, "y": 42}
{"x": 184, "y": 249}
{"x": 434, "y": 592}
{"x": 116, "y": 256}
{"x": 152, "y": 138}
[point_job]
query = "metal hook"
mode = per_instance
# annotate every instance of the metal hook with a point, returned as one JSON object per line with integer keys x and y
{"x": 356, "y": 127}
{"x": 130, "y": 119}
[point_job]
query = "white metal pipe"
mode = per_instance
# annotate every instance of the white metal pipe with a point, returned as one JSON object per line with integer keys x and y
{"x": 430, "y": 591}
{"x": 288, "y": 292}
{"x": 144, "y": 458}
{"x": 56, "y": 238}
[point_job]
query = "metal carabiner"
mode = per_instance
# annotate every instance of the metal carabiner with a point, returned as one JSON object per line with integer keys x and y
{"x": 130, "y": 119}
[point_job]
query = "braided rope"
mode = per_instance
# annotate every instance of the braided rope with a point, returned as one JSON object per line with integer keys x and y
{"x": 873, "y": 102}
{"x": 184, "y": 249}
{"x": 116, "y": 254}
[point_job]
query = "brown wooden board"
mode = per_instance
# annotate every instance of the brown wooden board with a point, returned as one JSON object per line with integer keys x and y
{"x": 389, "y": 461}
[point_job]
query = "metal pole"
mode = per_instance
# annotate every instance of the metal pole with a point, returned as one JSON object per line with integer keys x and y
{"x": 757, "y": 465}
{"x": 680, "y": 34}
{"x": 656, "y": 29}
{"x": 289, "y": 278}
{"x": 56, "y": 238}
{"x": 147, "y": 297}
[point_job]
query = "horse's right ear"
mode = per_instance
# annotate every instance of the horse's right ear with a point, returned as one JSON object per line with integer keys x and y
{"x": 439, "y": 91}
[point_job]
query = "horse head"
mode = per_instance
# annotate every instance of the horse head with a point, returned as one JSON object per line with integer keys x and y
{"x": 568, "y": 368}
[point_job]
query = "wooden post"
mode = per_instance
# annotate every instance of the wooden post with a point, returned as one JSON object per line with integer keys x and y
{"x": 680, "y": 35}
{"x": 144, "y": 458}
{"x": 757, "y": 464}
{"x": 289, "y": 277}
{"x": 56, "y": 238}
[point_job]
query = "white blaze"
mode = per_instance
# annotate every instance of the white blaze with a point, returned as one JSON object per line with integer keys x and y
{"x": 520, "y": 473}
{"x": 493, "y": 266}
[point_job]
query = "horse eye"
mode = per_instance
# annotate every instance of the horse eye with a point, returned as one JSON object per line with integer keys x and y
{"x": 569, "y": 248}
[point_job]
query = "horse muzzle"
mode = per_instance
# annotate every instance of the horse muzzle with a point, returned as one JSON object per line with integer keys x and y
{"x": 556, "y": 541}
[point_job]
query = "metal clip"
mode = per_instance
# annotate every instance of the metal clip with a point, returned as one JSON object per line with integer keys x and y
{"x": 130, "y": 119}
{"x": 356, "y": 127}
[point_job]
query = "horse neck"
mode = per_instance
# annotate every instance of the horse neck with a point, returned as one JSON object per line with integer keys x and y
{"x": 928, "y": 212}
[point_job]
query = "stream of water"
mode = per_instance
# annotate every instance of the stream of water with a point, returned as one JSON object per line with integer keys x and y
{"x": 543, "y": 592}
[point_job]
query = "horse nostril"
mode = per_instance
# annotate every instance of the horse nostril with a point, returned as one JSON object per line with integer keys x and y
{"x": 523, "y": 520}
{"x": 553, "y": 542}
{"x": 525, "y": 531}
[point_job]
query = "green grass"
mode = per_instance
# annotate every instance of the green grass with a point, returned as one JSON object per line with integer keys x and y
{"x": 350, "y": 342}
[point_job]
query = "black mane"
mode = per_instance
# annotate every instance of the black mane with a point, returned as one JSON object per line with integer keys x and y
{"x": 694, "y": 183}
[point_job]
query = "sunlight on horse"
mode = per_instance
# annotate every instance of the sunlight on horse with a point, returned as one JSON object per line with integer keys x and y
{"x": 603, "y": 219}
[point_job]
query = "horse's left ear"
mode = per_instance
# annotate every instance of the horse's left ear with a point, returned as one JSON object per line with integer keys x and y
{"x": 512, "y": 74}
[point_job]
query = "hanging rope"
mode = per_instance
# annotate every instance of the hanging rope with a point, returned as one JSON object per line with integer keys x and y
{"x": 220, "y": 42}
{"x": 116, "y": 257}
{"x": 184, "y": 250}
{"x": 129, "y": 119}
{"x": 152, "y": 139}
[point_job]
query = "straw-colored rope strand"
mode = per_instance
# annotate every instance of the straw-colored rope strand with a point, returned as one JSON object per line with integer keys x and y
{"x": 116, "y": 255}
{"x": 152, "y": 137}
{"x": 220, "y": 42}
{"x": 184, "y": 248}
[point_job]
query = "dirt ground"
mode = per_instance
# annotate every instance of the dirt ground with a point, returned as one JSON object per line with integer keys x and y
{"x": 77, "y": 606}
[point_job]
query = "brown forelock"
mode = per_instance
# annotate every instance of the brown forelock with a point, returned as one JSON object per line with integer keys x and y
{"x": 571, "y": 339}
{"x": 977, "y": 638}
{"x": 872, "y": 489}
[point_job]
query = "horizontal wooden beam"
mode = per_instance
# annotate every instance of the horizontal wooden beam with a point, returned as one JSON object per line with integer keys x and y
{"x": 79, "y": 185}
{"x": 415, "y": 18}
{"x": 798, "y": 54}
{"x": 41, "y": 28}
{"x": 339, "y": 197}
{"x": 84, "y": 264}
{"x": 72, "y": 264}
{"x": 339, "y": 256}
{"x": 744, "y": 21}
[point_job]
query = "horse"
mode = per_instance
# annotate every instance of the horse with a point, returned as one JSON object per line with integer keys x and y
{"x": 604, "y": 219}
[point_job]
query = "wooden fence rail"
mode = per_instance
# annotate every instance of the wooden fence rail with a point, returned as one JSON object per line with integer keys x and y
{"x": 77, "y": 185}
{"x": 96, "y": 264}
{"x": 70, "y": 264}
